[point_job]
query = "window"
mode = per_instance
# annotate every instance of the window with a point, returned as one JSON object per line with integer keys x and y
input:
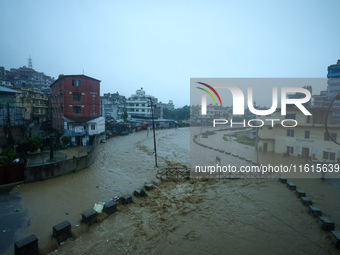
{"x": 93, "y": 127}
{"x": 308, "y": 119}
{"x": 290, "y": 132}
{"x": 291, "y": 116}
{"x": 329, "y": 155}
{"x": 307, "y": 133}
{"x": 76, "y": 83}
{"x": 76, "y": 109}
{"x": 76, "y": 96}
{"x": 326, "y": 137}
{"x": 290, "y": 149}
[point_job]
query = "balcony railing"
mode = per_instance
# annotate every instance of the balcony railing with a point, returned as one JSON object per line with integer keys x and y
{"x": 73, "y": 133}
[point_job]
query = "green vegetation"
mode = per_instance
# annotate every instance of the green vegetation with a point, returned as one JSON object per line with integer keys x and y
{"x": 178, "y": 114}
{"x": 65, "y": 140}
{"x": 225, "y": 138}
{"x": 125, "y": 116}
{"x": 7, "y": 155}
{"x": 245, "y": 140}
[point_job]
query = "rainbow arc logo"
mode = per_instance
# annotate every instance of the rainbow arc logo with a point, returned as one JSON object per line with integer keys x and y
{"x": 208, "y": 92}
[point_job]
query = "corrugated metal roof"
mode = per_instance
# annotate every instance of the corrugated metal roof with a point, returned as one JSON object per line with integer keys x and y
{"x": 4, "y": 89}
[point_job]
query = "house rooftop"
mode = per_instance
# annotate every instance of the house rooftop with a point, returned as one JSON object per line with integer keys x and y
{"x": 4, "y": 89}
{"x": 74, "y": 76}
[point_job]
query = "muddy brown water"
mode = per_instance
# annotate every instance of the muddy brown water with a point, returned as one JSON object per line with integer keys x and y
{"x": 258, "y": 216}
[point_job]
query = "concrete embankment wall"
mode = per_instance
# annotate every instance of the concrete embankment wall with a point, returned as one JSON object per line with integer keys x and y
{"x": 54, "y": 169}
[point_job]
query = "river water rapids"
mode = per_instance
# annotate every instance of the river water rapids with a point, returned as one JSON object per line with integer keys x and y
{"x": 243, "y": 216}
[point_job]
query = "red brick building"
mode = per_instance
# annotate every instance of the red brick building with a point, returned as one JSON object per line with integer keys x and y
{"x": 75, "y": 100}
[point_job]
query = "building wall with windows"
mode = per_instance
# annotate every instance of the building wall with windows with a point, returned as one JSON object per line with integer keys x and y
{"x": 76, "y": 97}
{"x": 137, "y": 105}
{"x": 308, "y": 139}
{"x": 109, "y": 106}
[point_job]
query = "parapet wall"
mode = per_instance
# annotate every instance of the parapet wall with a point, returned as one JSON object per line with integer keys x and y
{"x": 54, "y": 169}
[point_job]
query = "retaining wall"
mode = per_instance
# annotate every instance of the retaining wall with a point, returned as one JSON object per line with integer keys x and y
{"x": 54, "y": 169}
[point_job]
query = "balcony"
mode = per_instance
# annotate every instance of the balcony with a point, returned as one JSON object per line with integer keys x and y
{"x": 73, "y": 133}
{"x": 40, "y": 106}
{"x": 40, "y": 97}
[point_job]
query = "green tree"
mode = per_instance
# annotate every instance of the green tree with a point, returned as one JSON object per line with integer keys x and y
{"x": 65, "y": 140}
{"x": 125, "y": 116}
{"x": 7, "y": 155}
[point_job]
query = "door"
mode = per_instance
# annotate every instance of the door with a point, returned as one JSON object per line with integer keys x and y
{"x": 305, "y": 152}
{"x": 265, "y": 147}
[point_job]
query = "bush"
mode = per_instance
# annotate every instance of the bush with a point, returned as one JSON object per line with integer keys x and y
{"x": 65, "y": 140}
{"x": 7, "y": 155}
{"x": 34, "y": 144}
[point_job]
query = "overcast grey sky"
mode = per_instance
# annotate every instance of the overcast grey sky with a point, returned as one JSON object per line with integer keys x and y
{"x": 160, "y": 45}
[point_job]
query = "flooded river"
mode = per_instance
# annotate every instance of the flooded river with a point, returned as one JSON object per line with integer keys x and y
{"x": 258, "y": 216}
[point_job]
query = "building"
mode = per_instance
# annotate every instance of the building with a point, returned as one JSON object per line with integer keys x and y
{"x": 307, "y": 140}
{"x": 169, "y": 106}
{"x": 34, "y": 105}
{"x": 301, "y": 95}
{"x": 319, "y": 100}
{"x": 137, "y": 106}
{"x": 27, "y": 77}
{"x": 213, "y": 112}
{"x": 333, "y": 89}
{"x": 75, "y": 100}
{"x": 10, "y": 115}
{"x": 112, "y": 105}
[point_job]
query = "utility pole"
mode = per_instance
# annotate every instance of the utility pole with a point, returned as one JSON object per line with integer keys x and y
{"x": 152, "y": 105}
{"x": 50, "y": 130}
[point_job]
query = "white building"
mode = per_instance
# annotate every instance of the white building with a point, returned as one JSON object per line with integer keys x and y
{"x": 80, "y": 133}
{"x": 308, "y": 139}
{"x": 137, "y": 105}
{"x": 108, "y": 106}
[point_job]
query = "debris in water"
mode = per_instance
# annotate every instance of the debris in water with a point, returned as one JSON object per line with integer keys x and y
{"x": 67, "y": 213}
{"x": 97, "y": 186}
{"x": 17, "y": 210}
{"x": 4, "y": 231}
{"x": 127, "y": 244}
{"x": 77, "y": 225}
{"x": 99, "y": 207}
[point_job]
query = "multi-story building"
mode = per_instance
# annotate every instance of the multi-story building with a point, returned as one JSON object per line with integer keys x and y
{"x": 333, "y": 82}
{"x": 108, "y": 107}
{"x": 75, "y": 100}
{"x": 10, "y": 114}
{"x": 319, "y": 100}
{"x": 169, "y": 106}
{"x": 34, "y": 105}
{"x": 308, "y": 139}
{"x": 301, "y": 95}
{"x": 213, "y": 112}
{"x": 137, "y": 106}
{"x": 112, "y": 105}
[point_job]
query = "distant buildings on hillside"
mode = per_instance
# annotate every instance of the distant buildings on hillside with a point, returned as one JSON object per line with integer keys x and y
{"x": 26, "y": 77}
